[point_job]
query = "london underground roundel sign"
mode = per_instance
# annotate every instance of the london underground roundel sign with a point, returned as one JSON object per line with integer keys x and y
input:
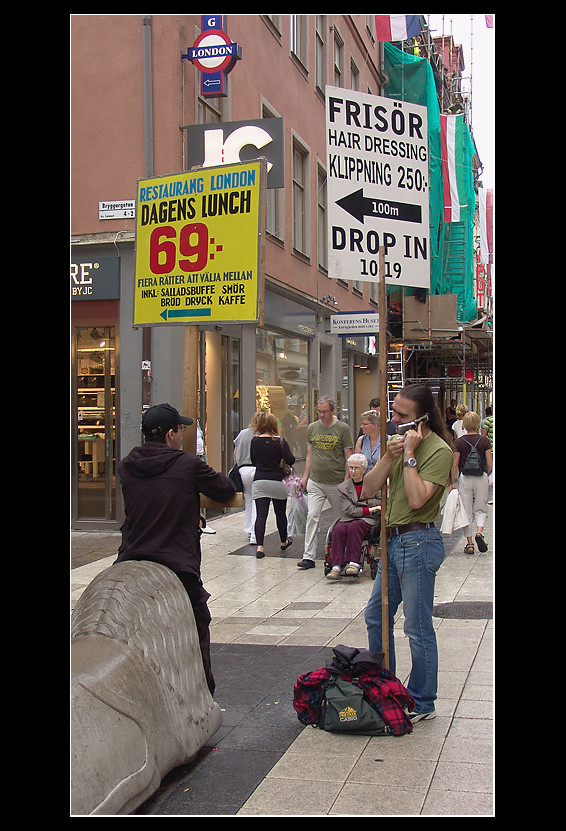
{"x": 213, "y": 51}
{"x": 214, "y": 54}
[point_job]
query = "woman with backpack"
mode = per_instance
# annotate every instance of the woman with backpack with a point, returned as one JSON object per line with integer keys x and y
{"x": 473, "y": 461}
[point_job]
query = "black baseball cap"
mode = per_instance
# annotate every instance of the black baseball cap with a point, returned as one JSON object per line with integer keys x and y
{"x": 161, "y": 418}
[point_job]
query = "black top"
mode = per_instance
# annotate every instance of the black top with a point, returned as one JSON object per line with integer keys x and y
{"x": 266, "y": 454}
{"x": 161, "y": 488}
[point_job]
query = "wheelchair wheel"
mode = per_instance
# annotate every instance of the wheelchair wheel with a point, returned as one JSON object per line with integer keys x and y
{"x": 328, "y": 561}
{"x": 374, "y": 555}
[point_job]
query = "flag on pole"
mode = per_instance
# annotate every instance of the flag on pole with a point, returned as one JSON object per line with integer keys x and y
{"x": 485, "y": 213}
{"x": 453, "y": 172}
{"x": 390, "y": 27}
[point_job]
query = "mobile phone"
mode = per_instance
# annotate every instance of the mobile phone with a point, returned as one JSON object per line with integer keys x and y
{"x": 412, "y": 425}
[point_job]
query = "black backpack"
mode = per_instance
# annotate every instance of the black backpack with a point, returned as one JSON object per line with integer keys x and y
{"x": 345, "y": 709}
{"x": 473, "y": 466}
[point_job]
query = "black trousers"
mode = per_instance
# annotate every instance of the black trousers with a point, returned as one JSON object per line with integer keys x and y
{"x": 198, "y": 597}
{"x": 262, "y": 509}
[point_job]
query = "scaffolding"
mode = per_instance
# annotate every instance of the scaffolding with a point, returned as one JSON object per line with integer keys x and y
{"x": 395, "y": 374}
{"x": 461, "y": 368}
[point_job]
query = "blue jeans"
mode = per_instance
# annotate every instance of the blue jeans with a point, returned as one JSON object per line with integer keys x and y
{"x": 414, "y": 558}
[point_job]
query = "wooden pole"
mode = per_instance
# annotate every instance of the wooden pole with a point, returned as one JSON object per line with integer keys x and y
{"x": 382, "y": 305}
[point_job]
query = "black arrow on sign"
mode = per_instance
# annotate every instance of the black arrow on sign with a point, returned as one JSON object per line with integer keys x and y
{"x": 360, "y": 206}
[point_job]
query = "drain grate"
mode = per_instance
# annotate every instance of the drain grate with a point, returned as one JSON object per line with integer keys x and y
{"x": 467, "y": 610}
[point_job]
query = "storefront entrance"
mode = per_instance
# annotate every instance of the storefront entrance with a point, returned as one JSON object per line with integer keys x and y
{"x": 219, "y": 392}
{"x": 94, "y": 440}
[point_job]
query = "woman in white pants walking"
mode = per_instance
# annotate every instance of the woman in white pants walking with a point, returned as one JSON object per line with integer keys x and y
{"x": 473, "y": 488}
{"x": 242, "y": 458}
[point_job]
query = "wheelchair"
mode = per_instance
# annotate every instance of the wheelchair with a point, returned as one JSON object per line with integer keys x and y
{"x": 371, "y": 550}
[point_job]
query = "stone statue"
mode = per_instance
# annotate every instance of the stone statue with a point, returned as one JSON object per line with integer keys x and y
{"x": 140, "y": 702}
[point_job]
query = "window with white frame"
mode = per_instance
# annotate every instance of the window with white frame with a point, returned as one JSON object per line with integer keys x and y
{"x": 299, "y": 23}
{"x": 338, "y": 67}
{"x": 300, "y": 197}
{"x": 354, "y": 75}
{"x": 321, "y": 219}
{"x": 320, "y": 53}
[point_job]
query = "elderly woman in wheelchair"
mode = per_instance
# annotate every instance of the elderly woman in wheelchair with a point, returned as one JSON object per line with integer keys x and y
{"x": 359, "y": 518}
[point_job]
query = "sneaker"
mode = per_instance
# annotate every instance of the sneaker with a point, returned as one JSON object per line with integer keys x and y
{"x": 334, "y": 574}
{"x": 481, "y": 543}
{"x": 414, "y": 717}
{"x": 352, "y": 570}
{"x": 306, "y": 564}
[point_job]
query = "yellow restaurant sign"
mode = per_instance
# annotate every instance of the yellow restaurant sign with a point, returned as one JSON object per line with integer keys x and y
{"x": 198, "y": 252}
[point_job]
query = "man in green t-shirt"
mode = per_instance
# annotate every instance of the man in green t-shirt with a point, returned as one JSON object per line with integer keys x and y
{"x": 418, "y": 465}
{"x": 329, "y": 445}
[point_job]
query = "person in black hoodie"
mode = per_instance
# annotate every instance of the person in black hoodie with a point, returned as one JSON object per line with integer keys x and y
{"x": 161, "y": 484}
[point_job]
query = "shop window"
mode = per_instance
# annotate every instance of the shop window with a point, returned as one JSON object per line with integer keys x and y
{"x": 95, "y": 368}
{"x": 282, "y": 384}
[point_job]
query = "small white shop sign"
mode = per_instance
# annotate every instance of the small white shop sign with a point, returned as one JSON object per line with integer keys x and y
{"x": 347, "y": 323}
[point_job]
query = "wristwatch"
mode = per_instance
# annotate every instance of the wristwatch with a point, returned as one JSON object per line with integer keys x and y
{"x": 412, "y": 462}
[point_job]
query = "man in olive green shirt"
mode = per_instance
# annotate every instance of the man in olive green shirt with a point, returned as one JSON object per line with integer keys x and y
{"x": 329, "y": 445}
{"x": 418, "y": 465}
{"x": 431, "y": 456}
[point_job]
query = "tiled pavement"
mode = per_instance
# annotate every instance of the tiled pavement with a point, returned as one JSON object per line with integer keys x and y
{"x": 272, "y": 622}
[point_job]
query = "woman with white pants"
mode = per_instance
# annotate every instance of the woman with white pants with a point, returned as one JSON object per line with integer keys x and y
{"x": 242, "y": 458}
{"x": 473, "y": 489}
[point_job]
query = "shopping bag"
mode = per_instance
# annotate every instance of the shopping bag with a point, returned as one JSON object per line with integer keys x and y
{"x": 297, "y": 518}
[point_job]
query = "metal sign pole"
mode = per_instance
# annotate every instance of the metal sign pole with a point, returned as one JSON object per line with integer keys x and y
{"x": 382, "y": 303}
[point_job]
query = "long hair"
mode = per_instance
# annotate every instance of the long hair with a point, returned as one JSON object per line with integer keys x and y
{"x": 255, "y": 419}
{"x": 266, "y": 423}
{"x": 422, "y": 396}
